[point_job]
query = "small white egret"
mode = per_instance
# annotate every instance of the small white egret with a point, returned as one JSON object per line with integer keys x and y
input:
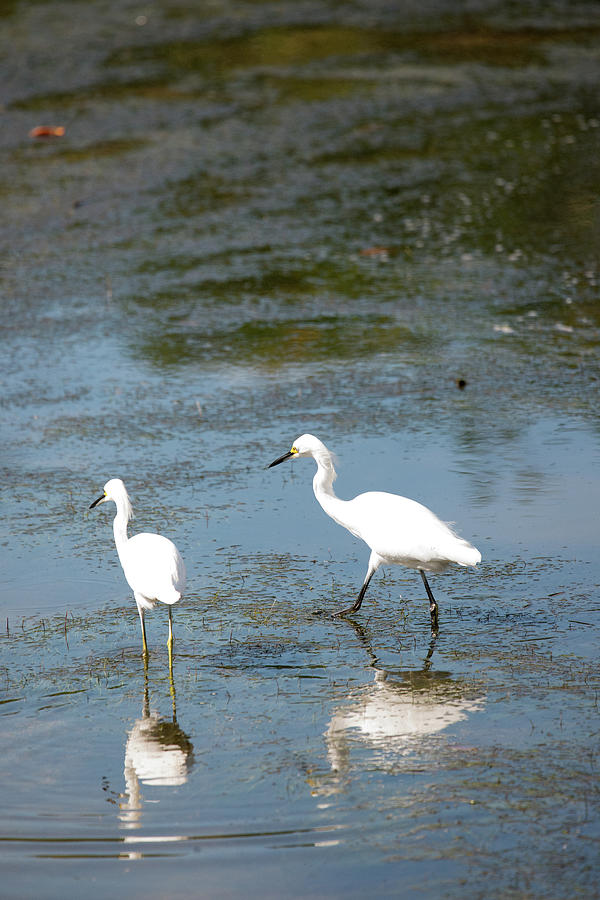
{"x": 398, "y": 530}
{"x": 151, "y": 563}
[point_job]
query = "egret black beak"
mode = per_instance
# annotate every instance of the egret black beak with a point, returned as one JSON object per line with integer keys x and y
{"x": 96, "y": 502}
{"x": 281, "y": 459}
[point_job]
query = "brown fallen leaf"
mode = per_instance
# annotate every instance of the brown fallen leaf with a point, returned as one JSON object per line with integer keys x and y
{"x": 45, "y": 131}
{"x": 375, "y": 251}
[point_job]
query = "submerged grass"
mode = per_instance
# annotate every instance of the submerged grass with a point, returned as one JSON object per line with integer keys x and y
{"x": 268, "y": 694}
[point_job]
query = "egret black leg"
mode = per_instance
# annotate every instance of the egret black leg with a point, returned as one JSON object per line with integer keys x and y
{"x": 170, "y": 640}
{"x": 432, "y": 643}
{"x": 433, "y": 607}
{"x": 143, "y": 624}
{"x": 358, "y": 602}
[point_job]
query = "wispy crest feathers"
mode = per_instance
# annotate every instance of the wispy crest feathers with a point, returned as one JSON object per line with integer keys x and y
{"x": 333, "y": 462}
{"x": 328, "y": 461}
{"x": 127, "y": 505}
{"x": 117, "y": 492}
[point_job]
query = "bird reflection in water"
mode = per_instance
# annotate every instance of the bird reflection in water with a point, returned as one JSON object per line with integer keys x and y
{"x": 397, "y": 713}
{"x": 158, "y": 753}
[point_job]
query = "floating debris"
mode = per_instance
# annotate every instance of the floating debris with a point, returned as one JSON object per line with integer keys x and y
{"x": 376, "y": 252}
{"x": 47, "y": 131}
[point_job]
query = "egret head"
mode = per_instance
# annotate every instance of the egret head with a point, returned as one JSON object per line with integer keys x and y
{"x": 116, "y": 491}
{"x": 305, "y": 445}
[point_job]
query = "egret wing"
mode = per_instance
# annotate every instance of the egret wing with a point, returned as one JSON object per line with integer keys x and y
{"x": 154, "y": 567}
{"x": 403, "y": 531}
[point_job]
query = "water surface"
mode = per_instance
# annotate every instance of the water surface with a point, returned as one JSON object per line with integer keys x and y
{"x": 374, "y": 224}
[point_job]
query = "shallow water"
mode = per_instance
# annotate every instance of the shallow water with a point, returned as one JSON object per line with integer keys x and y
{"x": 265, "y": 219}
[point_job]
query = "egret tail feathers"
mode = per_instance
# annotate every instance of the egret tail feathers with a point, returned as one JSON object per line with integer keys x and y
{"x": 465, "y": 554}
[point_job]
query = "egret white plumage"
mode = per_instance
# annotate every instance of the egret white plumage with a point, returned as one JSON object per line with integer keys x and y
{"x": 151, "y": 563}
{"x": 398, "y": 530}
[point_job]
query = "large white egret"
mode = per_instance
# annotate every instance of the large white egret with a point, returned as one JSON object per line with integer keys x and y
{"x": 398, "y": 530}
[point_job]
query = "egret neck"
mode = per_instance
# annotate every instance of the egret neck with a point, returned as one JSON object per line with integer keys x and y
{"x": 323, "y": 487}
{"x": 120, "y": 523}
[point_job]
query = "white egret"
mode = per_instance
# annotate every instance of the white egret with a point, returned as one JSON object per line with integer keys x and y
{"x": 151, "y": 563}
{"x": 398, "y": 530}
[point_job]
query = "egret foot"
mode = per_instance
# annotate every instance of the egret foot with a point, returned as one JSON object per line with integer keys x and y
{"x": 342, "y": 613}
{"x": 357, "y": 603}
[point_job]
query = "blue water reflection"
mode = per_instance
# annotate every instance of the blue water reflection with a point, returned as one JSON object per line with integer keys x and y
{"x": 158, "y": 753}
{"x": 396, "y": 715}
